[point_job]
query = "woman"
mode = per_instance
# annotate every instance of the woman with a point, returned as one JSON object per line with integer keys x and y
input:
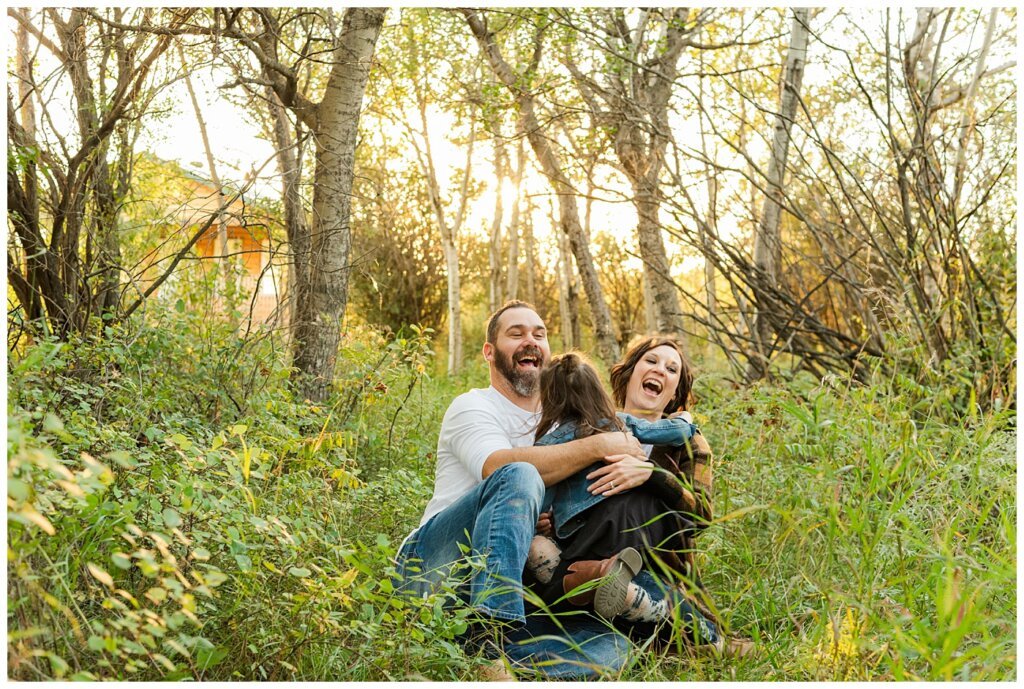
{"x": 655, "y": 507}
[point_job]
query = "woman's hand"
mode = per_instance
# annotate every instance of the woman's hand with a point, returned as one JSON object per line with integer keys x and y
{"x": 621, "y": 473}
{"x": 544, "y": 525}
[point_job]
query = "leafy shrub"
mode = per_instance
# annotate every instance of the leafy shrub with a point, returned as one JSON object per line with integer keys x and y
{"x": 175, "y": 512}
{"x": 222, "y": 531}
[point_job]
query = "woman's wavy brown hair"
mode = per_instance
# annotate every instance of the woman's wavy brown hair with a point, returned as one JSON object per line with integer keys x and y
{"x": 623, "y": 371}
{"x": 571, "y": 390}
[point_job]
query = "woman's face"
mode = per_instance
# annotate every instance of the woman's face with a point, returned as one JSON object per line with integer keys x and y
{"x": 653, "y": 383}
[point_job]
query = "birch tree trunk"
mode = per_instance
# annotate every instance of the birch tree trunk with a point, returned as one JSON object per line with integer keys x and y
{"x": 569, "y": 216}
{"x": 319, "y": 311}
{"x": 494, "y": 244}
{"x": 711, "y": 174}
{"x": 636, "y": 93}
{"x": 27, "y": 288}
{"x": 568, "y": 306}
{"x": 767, "y": 242}
{"x": 650, "y": 308}
{"x": 530, "y": 246}
{"x": 512, "y": 277}
{"x": 710, "y": 288}
{"x": 449, "y": 235}
{"x": 223, "y": 272}
{"x": 289, "y": 162}
{"x": 967, "y": 119}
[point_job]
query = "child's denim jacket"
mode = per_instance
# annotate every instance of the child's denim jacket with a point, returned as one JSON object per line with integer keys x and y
{"x": 568, "y": 499}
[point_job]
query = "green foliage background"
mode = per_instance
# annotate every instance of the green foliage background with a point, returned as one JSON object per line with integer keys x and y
{"x": 173, "y": 512}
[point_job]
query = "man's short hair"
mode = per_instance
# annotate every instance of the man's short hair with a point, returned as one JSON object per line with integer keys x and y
{"x": 492, "y": 322}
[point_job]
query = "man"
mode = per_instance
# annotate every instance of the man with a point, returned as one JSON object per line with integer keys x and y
{"x": 488, "y": 487}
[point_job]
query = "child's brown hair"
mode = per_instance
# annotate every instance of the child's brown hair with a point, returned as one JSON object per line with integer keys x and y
{"x": 571, "y": 390}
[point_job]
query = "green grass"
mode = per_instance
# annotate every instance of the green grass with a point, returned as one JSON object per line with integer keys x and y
{"x": 861, "y": 534}
{"x": 867, "y": 519}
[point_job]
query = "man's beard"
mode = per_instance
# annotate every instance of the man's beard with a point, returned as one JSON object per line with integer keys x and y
{"x": 524, "y": 382}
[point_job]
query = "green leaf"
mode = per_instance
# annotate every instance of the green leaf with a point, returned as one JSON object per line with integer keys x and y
{"x": 57, "y": 664}
{"x": 214, "y": 577}
{"x": 299, "y": 572}
{"x": 121, "y": 561}
{"x": 207, "y": 658}
{"x": 171, "y": 518}
{"x": 122, "y": 458}
{"x": 238, "y": 429}
{"x": 95, "y": 643}
{"x": 244, "y": 562}
{"x": 180, "y": 440}
{"x": 18, "y": 489}
{"x": 53, "y": 424}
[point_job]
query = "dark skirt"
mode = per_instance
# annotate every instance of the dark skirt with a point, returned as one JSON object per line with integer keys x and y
{"x": 634, "y": 519}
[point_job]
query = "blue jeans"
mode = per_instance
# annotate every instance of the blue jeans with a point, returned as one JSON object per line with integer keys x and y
{"x": 493, "y": 525}
{"x": 489, "y": 528}
{"x": 578, "y": 646}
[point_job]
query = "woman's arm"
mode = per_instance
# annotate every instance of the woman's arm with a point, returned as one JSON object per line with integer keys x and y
{"x": 674, "y": 431}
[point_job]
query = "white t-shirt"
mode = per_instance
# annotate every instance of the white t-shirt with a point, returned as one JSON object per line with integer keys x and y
{"x": 477, "y": 424}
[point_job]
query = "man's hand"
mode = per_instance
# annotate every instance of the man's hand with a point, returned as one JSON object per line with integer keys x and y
{"x": 621, "y": 473}
{"x": 545, "y": 527}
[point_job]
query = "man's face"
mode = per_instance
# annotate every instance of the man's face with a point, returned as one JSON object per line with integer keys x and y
{"x": 520, "y": 350}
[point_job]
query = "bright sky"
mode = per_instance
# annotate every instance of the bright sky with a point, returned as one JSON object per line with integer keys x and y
{"x": 234, "y": 138}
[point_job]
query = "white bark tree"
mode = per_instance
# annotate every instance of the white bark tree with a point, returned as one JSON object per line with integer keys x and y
{"x": 552, "y": 166}
{"x": 767, "y": 242}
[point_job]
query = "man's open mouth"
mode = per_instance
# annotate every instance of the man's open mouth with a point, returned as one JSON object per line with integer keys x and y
{"x": 528, "y": 361}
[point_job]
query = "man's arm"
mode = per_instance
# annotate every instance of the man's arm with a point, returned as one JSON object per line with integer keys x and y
{"x": 556, "y": 462}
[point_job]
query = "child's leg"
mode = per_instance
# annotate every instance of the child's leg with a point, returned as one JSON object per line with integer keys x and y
{"x": 647, "y": 601}
{"x": 543, "y": 558}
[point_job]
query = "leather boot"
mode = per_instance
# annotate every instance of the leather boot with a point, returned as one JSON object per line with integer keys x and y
{"x": 582, "y": 571}
{"x": 609, "y": 598}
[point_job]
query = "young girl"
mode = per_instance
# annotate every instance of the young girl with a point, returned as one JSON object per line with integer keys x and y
{"x": 574, "y": 405}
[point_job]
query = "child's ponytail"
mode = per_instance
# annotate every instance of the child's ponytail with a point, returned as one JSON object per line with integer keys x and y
{"x": 571, "y": 391}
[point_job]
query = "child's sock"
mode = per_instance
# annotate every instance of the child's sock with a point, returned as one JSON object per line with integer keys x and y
{"x": 544, "y": 556}
{"x": 640, "y": 607}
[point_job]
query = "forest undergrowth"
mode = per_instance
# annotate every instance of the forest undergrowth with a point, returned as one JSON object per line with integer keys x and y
{"x": 174, "y": 512}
